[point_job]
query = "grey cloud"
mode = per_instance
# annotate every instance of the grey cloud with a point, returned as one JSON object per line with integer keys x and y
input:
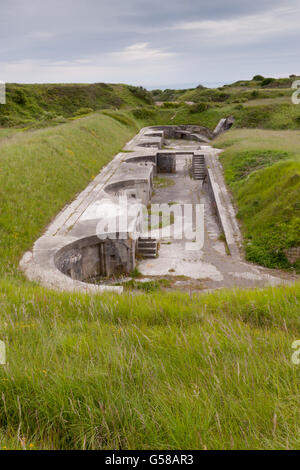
{"x": 209, "y": 47}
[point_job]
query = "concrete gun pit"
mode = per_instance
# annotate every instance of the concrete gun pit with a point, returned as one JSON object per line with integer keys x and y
{"x": 161, "y": 165}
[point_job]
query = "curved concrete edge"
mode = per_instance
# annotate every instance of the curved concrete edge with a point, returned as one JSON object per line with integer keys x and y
{"x": 50, "y": 277}
{"x": 154, "y": 136}
{"x": 73, "y": 222}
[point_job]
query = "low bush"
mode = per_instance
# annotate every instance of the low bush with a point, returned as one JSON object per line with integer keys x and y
{"x": 258, "y": 78}
{"x": 199, "y": 107}
{"x": 267, "y": 81}
{"x": 143, "y": 113}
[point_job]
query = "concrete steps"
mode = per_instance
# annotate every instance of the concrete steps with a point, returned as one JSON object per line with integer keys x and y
{"x": 147, "y": 247}
{"x": 199, "y": 170}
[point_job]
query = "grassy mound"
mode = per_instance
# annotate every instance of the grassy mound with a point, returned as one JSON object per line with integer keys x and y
{"x": 263, "y": 171}
{"x": 263, "y": 103}
{"x": 41, "y": 171}
{"x": 46, "y": 104}
{"x": 156, "y": 370}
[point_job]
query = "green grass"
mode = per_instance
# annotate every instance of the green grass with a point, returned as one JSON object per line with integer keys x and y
{"x": 38, "y": 106}
{"x": 161, "y": 182}
{"x": 4, "y": 133}
{"x": 252, "y": 104}
{"x": 145, "y": 286}
{"x": 42, "y": 170}
{"x": 241, "y": 164}
{"x": 156, "y": 370}
{"x": 159, "y": 371}
{"x": 269, "y": 116}
{"x": 44, "y": 105}
{"x": 263, "y": 171}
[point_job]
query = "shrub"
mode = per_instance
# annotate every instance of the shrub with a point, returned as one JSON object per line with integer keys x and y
{"x": 48, "y": 116}
{"x": 213, "y": 95}
{"x": 254, "y": 94}
{"x": 19, "y": 97}
{"x": 267, "y": 81}
{"x": 141, "y": 93}
{"x": 199, "y": 107}
{"x": 258, "y": 78}
{"x": 142, "y": 113}
{"x": 9, "y": 121}
{"x": 169, "y": 104}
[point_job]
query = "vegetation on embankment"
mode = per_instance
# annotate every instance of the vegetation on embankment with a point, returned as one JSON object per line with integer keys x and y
{"x": 143, "y": 371}
{"x": 257, "y": 103}
{"x": 252, "y": 103}
{"x": 243, "y": 90}
{"x": 261, "y": 167}
{"x": 45, "y": 104}
{"x": 263, "y": 114}
{"x": 149, "y": 371}
{"x": 263, "y": 171}
{"x": 43, "y": 170}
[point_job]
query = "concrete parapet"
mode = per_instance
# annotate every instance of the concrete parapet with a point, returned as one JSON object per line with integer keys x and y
{"x": 72, "y": 253}
{"x": 222, "y": 202}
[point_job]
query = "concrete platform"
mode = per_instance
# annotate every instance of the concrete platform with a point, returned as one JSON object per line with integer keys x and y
{"x": 82, "y": 248}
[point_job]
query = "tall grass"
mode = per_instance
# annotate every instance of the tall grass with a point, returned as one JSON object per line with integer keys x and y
{"x": 149, "y": 371}
{"x": 146, "y": 371}
{"x": 263, "y": 170}
{"x": 42, "y": 170}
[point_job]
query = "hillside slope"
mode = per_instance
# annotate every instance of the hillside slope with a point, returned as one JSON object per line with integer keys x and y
{"x": 54, "y": 103}
{"x": 257, "y": 103}
{"x": 41, "y": 171}
{"x": 263, "y": 170}
{"x": 142, "y": 371}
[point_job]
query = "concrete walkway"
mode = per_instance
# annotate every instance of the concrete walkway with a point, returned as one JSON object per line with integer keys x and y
{"x": 71, "y": 253}
{"x": 211, "y": 267}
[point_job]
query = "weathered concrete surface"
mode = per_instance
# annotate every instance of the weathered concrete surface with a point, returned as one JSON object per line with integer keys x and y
{"x": 186, "y": 132}
{"x": 224, "y": 125}
{"x": 72, "y": 251}
{"x": 222, "y": 201}
{"x": 63, "y": 257}
{"x": 210, "y": 267}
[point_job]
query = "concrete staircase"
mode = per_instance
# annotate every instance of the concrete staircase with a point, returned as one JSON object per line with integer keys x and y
{"x": 147, "y": 247}
{"x": 199, "y": 170}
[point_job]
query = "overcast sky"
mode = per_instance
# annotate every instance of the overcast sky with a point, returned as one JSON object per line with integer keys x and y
{"x": 155, "y": 43}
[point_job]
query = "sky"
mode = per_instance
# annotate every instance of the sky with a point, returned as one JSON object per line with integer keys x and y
{"x": 155, "y": 44}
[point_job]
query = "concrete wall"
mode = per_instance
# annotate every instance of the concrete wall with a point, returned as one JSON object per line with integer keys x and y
{"x": 166, "y": 163}
{"x": 88, "y": 259}
{"x": 134, "y": 189}
{"x": 144, "y": 159}
{"x": 182, "y": 132}
{"x": 70, "y": 251}
{"x": 222, "y": 216}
